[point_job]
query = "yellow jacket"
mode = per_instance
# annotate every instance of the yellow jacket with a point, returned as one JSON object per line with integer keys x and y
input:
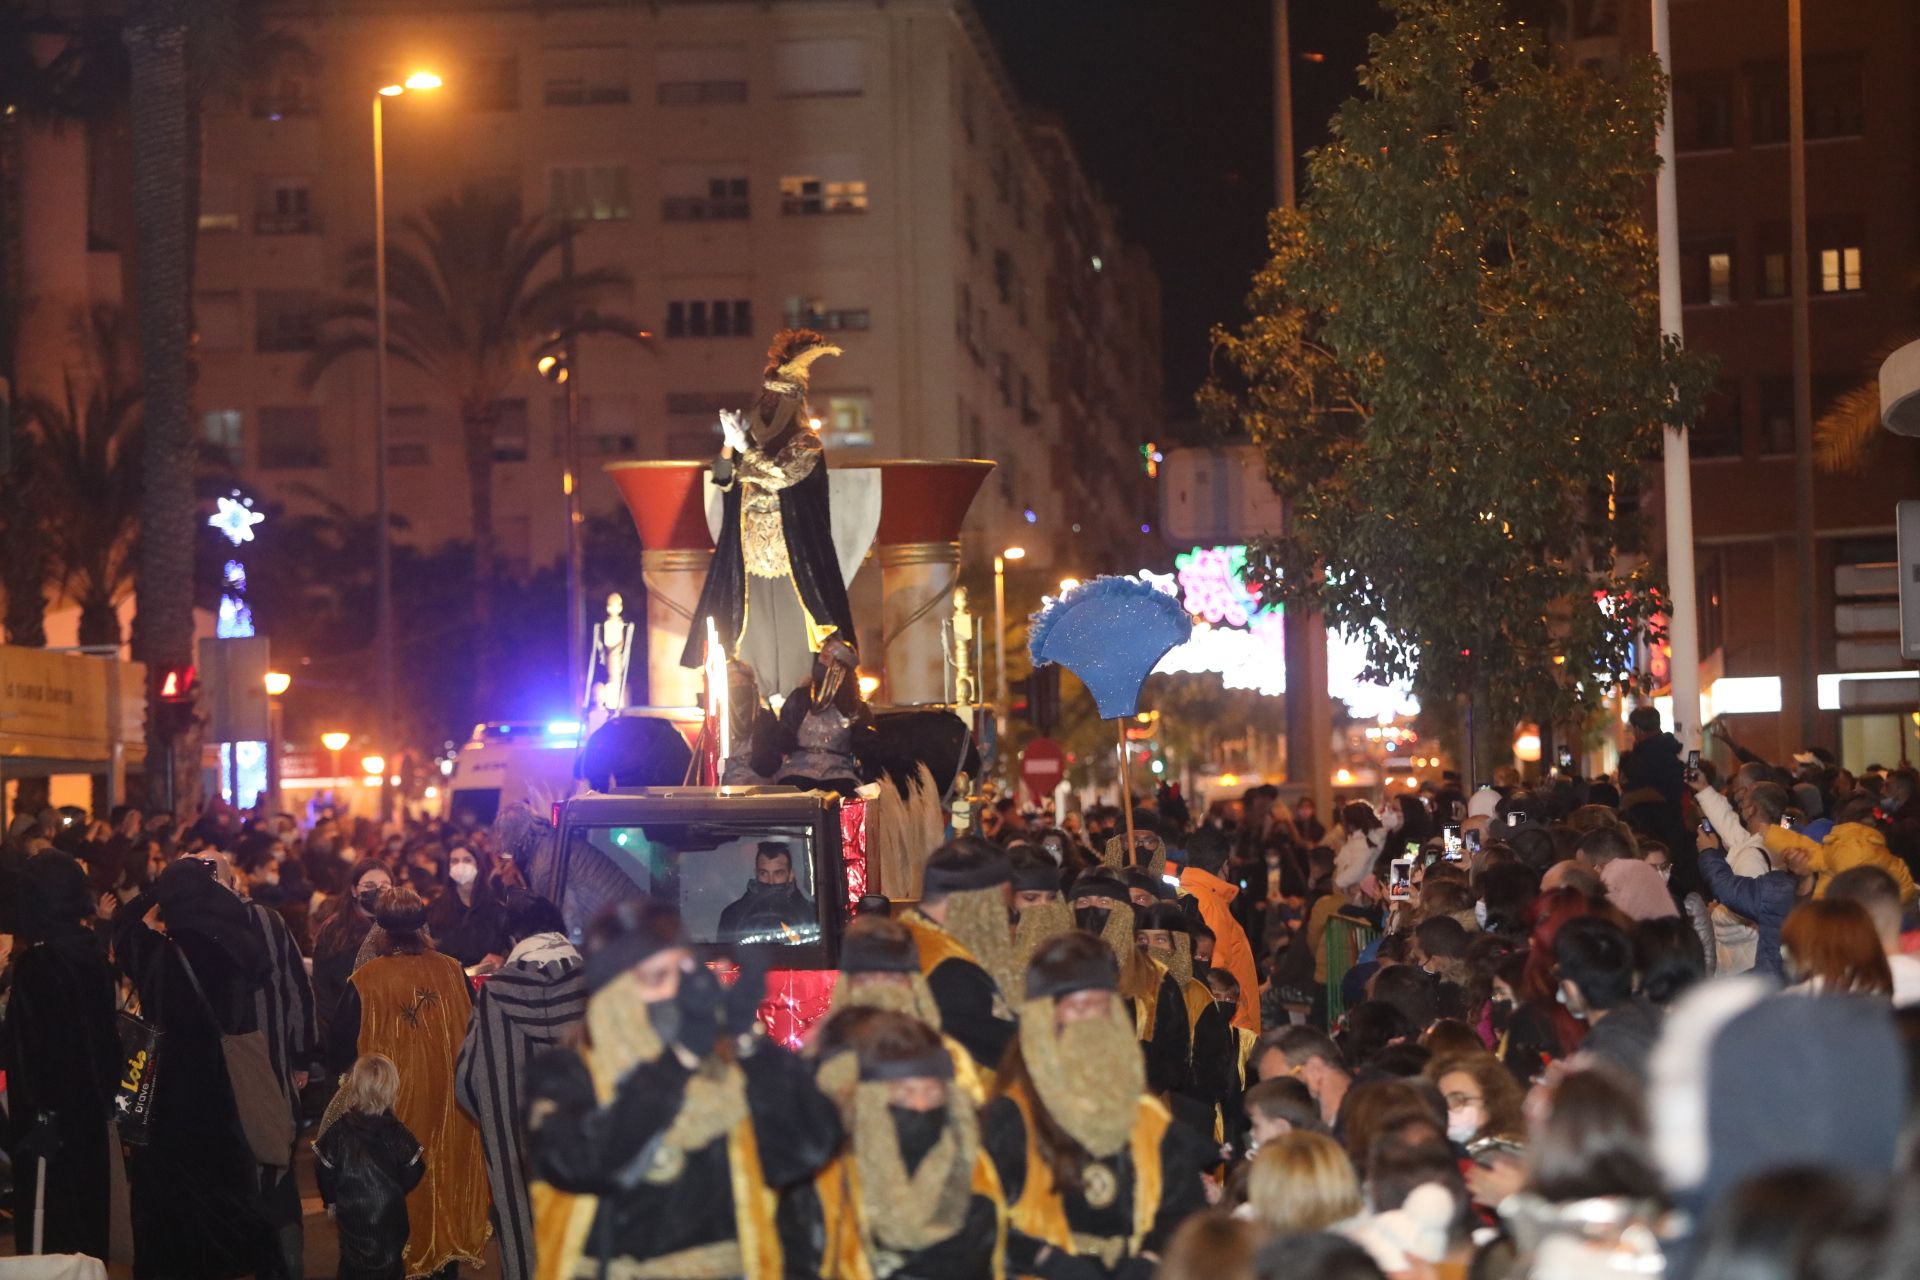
{"x": 1848, "y": 845}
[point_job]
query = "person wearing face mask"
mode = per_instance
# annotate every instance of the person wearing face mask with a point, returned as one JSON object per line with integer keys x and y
{"x": 1095, "y": 1172}
{"x": 880, "y": 971}
{"x": 1101, "y": 907}
{"x": 1167, "y": 935}
{"x": 1596, "y": 970}
{"x": 659, "y": 1141}
{"x": 773, "y": 907}
{"x": 911, "y": 1195}
{"x": 337, "y": 951}
{"x": 965, "y": 945}
{"x": 1484, "y": 1118}
{"x": 465, "y": 920}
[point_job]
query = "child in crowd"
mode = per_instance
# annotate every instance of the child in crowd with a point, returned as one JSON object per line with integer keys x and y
{"x": 365, "y": 1162}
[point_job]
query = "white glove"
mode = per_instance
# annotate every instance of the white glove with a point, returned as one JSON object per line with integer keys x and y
{"x": 733, "y": 425}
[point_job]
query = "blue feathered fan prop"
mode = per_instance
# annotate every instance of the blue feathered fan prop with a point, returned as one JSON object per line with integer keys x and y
{"x": 1111, "y": 632}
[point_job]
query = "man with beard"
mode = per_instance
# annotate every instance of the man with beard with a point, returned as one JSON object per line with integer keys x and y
{"x": 966, "y": 946}
{"x": 912, "y": 1196}
{"x": 773, "y": 907}
{"x": 1101, "y": 907}
{"x": 1166, "y": 932}
{"x": 880, "y": 970}
{"x": 1040, "y": 910}
{"x": 659, "y": 1143}
{"x": 1095, "y": 1173}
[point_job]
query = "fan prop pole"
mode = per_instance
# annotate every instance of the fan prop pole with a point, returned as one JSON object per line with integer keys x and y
{"x": 1126, "y": 786}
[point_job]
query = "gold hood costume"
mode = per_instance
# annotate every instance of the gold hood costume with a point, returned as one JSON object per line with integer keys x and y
{"x": 880, "y": 970}
{"x": 967, "y": 959}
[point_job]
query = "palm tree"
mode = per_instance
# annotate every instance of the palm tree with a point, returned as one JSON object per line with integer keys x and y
{"x": 1844, "y": 433}
{"x": 88, "y": 452}
{"x": 470, "y": 305}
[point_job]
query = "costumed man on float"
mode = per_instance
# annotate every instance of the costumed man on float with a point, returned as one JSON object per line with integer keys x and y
{"x": 912, "y": 1195}
{"x": 1095, "y": 1172}
{"x": 774, "y": 590}
{"x": 825, "y": 725}
{"x": 660, "y": 1143}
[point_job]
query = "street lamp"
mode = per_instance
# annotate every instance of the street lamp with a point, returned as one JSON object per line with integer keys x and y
{"x": 1000, "y": 642}
{"x": 418, "y": 82}
{"x": 277, "y": 682}
{"x": 335, "y": 742}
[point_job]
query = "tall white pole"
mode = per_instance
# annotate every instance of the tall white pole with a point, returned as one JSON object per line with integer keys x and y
{"x": 999, "y": 657}
{"x": 1807, "y": 701}
{"x": 1683, "y": 622}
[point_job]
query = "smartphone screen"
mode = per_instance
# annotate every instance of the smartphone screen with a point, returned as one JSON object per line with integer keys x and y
{"x": 1473, "y": 841}
{"x": 1693, "y": 764}
{"x": 1400, "y": 879}
{"x": 1450, "y": 841}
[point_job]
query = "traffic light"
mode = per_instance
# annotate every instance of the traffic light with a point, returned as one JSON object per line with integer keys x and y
{"x": 174, "y": 691}
{"x": 1036, "y": 699}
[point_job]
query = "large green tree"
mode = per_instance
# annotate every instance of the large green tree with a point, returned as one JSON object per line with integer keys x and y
{"x": 1455, "y": 368}
{"x": 473, "y": 295}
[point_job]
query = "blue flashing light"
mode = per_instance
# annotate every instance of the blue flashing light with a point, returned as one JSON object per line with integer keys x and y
{"x": 563, "y": 728}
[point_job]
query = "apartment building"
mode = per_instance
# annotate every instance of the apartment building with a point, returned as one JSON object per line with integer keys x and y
{"x": 863, "y": 169}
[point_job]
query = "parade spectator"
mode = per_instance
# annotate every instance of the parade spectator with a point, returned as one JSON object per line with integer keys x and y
{"x": 1875, "y": 890}
{"x": 1301, "y": 1182}
{"x": 465, "y": 920}
{"x": 341, "y": 946}
{"x": 1832, "y": 946}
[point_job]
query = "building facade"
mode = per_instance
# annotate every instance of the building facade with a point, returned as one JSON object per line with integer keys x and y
{"x": 862, "y": 169}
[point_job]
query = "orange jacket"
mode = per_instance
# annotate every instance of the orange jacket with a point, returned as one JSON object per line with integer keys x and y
{"x": 1230, "y": 948}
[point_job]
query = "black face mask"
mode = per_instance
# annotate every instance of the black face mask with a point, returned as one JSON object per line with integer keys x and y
{"x": 1500, "y": 1014}
{"x": 368, "y": 899}
{"x": 917, "y": 1131}
{"x": 1227, "y": 1008}
{"x": 1092, "y": 919}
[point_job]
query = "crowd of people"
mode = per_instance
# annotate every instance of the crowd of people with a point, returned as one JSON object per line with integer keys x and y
{"x": 1652, "y": 1024}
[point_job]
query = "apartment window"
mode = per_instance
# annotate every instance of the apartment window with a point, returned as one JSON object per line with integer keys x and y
{"x": 1836, "y": 105}
{"x": 290, "y": 438}
{"x": 222, "y": 435}
{"x": 1706, "y": 272}
{"x": 593, "y": 75}
{"x": 1717, "y": 433}
{"x": 963, "y": 313}
{"x": 409, "y": 434}
{"x": 814, "y": 313}
{"x": 1702, "y": 113}
{"x": 591, "y": 193}
{"x": 490, "y": 83}
{"x": 701, "y": 75}
{"x": 606, "y": 426}
{"x": 818, "y": 69}
{"x": 1776, "y": 407}
{"x": 699, "y": 197}
{"x": 219, "y": 202}
{"x": 809, "y": 194}
{"x": 284, "y": 207}
{"x": 701, "y": 404}
{"x": 847, "y": 422}
{"x": 967, "y": 115}
{"x": 285, "y": 320}
{"x": 1001, "y": 169}
{"x": 284, "y": 97}
{"x": 1003, "y": 378}
{"x": 1839, "y": 270}
{"x": 720, "y": 318}
{"x": 510, "y": 430}
{"x": 693, "y": 421}
{"x": 1019, "y": 203}
{"x": 1029, "y": 407}
{"x": 217, "y": 323}
{"x": 1003, "y": 275}
{"x": 970, "y": 222}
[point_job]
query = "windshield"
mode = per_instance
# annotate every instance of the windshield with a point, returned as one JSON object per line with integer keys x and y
{"x": 729, "y": 884}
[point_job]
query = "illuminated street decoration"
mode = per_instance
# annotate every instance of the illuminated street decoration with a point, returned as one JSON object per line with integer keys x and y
{"x": 1241, "y": 640}
{"x": 245, "y": 763}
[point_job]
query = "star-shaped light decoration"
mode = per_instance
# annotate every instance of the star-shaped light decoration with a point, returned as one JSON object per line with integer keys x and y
{"x": 235, "y": 519}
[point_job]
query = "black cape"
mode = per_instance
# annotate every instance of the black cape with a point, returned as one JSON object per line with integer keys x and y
{"x": 808, "y": 530}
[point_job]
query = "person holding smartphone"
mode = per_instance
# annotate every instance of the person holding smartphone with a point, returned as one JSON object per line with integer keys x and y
{"x": 1744, "y": 852}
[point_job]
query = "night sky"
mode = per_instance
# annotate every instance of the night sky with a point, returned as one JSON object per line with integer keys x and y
{"x": 1170, "y": 103}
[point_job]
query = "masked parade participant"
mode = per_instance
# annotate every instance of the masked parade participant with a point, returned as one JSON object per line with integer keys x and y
{"x": 1095, "y": 1173}
{"x": 912, "y": 1195}
{"x": 773, "y": 907}
{"x": 1101, "y": 907}
{"x": 880, "y": 969}
{"x": 774, "y": 589}
{"x": 825, "y": 722}
{"x": 1167, "y": 933}
{"x": 966, "y": 945}
{"x": 658, "y": 1144}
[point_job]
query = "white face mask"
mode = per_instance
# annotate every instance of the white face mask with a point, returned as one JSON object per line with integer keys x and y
{"x": 1463, "y": 1123}
{"x": 1480, "y": 912}
{"x": 462, "y": 873}
{"x": 1561, "y": 996}
{"x": 1393, "y": 819}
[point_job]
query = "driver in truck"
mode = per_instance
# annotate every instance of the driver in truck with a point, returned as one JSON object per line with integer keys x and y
{"x": 773, "y": 906}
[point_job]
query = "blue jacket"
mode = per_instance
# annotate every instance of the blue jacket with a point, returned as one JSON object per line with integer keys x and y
{"x": 1766, "y": 900}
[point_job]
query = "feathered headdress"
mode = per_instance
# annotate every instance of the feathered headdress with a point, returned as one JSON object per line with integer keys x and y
{"x": 791, "y": 355}
{"x": 1110, "y": 632}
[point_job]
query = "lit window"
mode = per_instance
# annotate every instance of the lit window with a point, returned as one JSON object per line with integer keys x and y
{"x": 1719, "y": 278}
{"x": 591, "y": 193}
{"x": 849, "y": 422}
{"x": 1840, "y": 270}
{"x": 810, "y": 194}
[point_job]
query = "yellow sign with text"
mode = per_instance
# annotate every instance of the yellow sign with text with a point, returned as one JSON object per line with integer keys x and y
{"x": 53, "y": 705}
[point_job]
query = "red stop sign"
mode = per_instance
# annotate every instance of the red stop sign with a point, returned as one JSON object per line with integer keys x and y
{"x": 1042, "y": 765}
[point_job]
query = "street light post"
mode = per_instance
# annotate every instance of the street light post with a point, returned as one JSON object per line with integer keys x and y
{"x": 383, "y": 538}
{"x": 570, "y": 482}
{"x": 1000, "y": 643}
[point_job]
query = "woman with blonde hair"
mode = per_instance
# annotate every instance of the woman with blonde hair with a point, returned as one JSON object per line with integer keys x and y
{"x": 1301, "y": 1182}
{"x": 365, "y": 1162}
